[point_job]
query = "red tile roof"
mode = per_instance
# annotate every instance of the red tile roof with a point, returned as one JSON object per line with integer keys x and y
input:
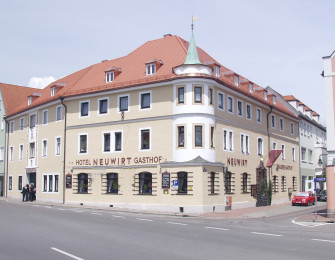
{"x": 14, "y": 96}
{"x": 170, "y": 50}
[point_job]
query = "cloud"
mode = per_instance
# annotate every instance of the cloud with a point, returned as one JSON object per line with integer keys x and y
{"x": 40, "y": 82}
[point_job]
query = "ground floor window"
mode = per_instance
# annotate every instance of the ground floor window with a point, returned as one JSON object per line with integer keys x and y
{"x": 212, "y": 182}
{"x": 10, "y": 183}
{"x": 244, "y": 182}
{"x": 228, "y": 182}
{"x": 294, "y": 183}
{"x": 283, "y": 183}
{"x": 83, "y": 183}
{"x": 50, "y": 183}
{"x": 145, "y": 179}
{"x": 112, "y": 183}
{"x": 275, "y": 183}
{"x": 182, "y": 182}
{"x": 20, "y": 183}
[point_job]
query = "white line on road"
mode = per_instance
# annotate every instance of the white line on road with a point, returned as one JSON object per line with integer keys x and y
{"x": 60, "y": 209}
{"x": 323, "y": 240}
{"x": 47, "y": 207}
{"x": 217, "y": 228}
{"x": 36, "y": 205}
{"x": 116, "y": 216}
{"x": 78, "y": 211}
{"x": 266, "y": 234}
{"x": 309, "y": 224}
{"x": 175, "y": 223}
{"x": 93, "y": 213}
{"x": 65, "y": 253}
{"x": 144, "y": 219}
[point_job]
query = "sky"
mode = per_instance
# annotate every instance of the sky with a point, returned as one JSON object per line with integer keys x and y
{"x": 272, "y": 43}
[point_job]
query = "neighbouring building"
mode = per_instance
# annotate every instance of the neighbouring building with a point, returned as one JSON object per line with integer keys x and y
{"x": 11, "y": 96}
{"x": 165, "y": 128}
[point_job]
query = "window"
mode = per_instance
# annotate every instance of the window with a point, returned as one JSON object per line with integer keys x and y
{"x": 275, "y": 183}
{"x": 118, "y": 141}
{"x": 45, "y": 183}
{"x": 2, "y": 153}
{"x": 32, "y": 121}
{"x": 181, "y": 136}
{"x": 245, "y": 183}
{"x": 239, "y": 107}
{"x": 21, "y": 152}
{"x": 2, "y": 124}
{"x": 273, "y": 121}
{"x": 294, "y": 183}
{"x": 310, "y": 155}
{"x": 293, "y": 154}
{"x": 265, "y": 95}
{"x": 281, "y": 121}
{"x": 182, "y": 182}
{"x": 145, "y": 179}
{"x": 228, "y": 182}
{"x": 107, "y": 142}
{"x": 244, "y": 144}
{"x": 83, "y": 143}
{"x": 32, "y": 150}
{"x": 228, "y": 137}
{"x": 123, "y": 103}
{"x": 197, "y": 94}
{"x": 211, "y": 96}
{"x": 221, "y": 101}
{"x": 83, "y": 183}
{"x": 251, "y": 88}
{"x": 109, "y": 76}
{"x": 112, "y": 183}
{"x": 283, "y": 183}
{"x": 56, "y": 183}
{"x": 145, "y": 139}
{"x": 84, "y": 108}
{"x": 260, "y": 146}
{"x": 217, "y": 71}
{"x": 181, "y": 93}
{"x": 50, "y": 182}
{"x": 58, "y": 144}
{"x": 21, "y": 123}
{"x": 103, "y": 106}
{"x": 212, "y": 136}
{"x": 198, "y": 136}
{"x": 44, "y": 148}
{"x": 248, "y": 111}
{"x": 20, "y": 183}
{"x": 303, "y": 154}
{"x": 11, "y": 129}
{"x": 236, "y": 81}
{"x": 145, "y": 100}
{"x": 11, "y": 153}
{"x": 59, "y": 113}
{"x": 30, "y": 99}
{"x": 292, "y": 129}
{"x": 274, "y": 146}
{"x": 230, "y": 104}
{"x": 53, "y": 91}
{"x": 151, "y": 69}
{"x": 10, "y": 183}
{"x": 45, "y": 117}
{"x": 212, "y": 183}
{"x": 283, "y": 152}
{"x": 274, "y": 100}
{"x": 258, "y": 115}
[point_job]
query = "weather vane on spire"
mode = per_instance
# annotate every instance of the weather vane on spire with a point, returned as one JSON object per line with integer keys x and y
{"x": 193, "y": 19}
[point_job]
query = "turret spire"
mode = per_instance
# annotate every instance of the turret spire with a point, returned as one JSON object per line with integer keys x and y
{"x": 192, "y": 53}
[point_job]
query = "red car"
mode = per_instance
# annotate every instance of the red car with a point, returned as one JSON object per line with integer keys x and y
{"x": 303, "y": 198}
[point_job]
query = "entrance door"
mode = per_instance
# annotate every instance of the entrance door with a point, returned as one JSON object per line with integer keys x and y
{"x": 32, "y": 178}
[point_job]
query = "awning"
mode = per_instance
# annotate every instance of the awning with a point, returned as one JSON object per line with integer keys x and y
{"x": 273, "y": 155}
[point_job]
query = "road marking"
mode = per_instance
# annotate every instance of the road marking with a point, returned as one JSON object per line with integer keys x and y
{"x": 36, "y": 205}
{"x": 309, "y": 224}
{"x": 78, "y": 211}
{"x": 47, "y": 207}
{"x": 144, "y": 219}
{"x": 217, "y": 228}
{"x": 116, "y": 216}
{"x": 323, "y": 240}
{"x": 60, "y": 209}
{"x": 93, "y": 213}
{"x": 175, "y": 223}
{"x": 266, "y": 234}
{"x": 67, "y": 254}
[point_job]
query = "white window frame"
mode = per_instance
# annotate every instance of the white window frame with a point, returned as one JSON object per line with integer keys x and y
{"x": 53, "y": 91}
{"x": 246, "y": 111}
{"x": 100, "y": 99}
{"x": 283, "y": 152}
{"x": 292, "y": 128}
{"x": 30, "y": 99}
{"x": 56, "y": 146}
{"x": 232, "y": 104}
{"x": 223, "y": 100}
{"x": 150, "y": 69}
{"x": 2, "y": 153}
{"x": 245, "y": 145}
{"x": 109, "y": 76}
{"x": 45, "y": 117}
{"x": 251, "y": 87}
{"x": 114, "y": 141}
{"x": 88, "y": 108}
{"x": 103, "y": 142}
{"x": 239, "y": 113}
{"x": 21, "y": 148}
{"x": 236, "y": 80}
{"x": 140, "y": 139}
{"x": 85, "y": 153}
{"x": 217, "y": 71}
{"x": 60, "y": 110}
{"x": 2, "y": 124}
{"x": 227, "y": 140}
{"x": 273, "y": 121}
{"x": 21, "y": 123}
{"x": 44, "y": 155}
{"x": 303, "y": 154}
{"x": 140, "y": 100}
{"x": 259, "y": 120}
{"x": 119, "y": 103}
{"x": 47, "y": 175}
{"x": 11, "y": 127}
{"x": 293, "y": 154}
{"x": 262, "y": 151}
{"x": 11, "y": 153}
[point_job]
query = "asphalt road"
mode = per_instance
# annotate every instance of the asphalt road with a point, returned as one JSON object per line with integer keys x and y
{"x": 31, "y": 231}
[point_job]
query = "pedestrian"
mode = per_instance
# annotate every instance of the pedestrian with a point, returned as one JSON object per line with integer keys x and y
{"x": 27, "y": 193}
{"x": 31, "y": 191}
{"x": 34, "y": 193}
{"x": 24, "y": 192}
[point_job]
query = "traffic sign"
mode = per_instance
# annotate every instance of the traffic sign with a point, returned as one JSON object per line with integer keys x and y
{"x": 319, "y": 179}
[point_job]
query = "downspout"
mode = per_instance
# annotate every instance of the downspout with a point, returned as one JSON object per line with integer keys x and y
{"x": 6, "y": 157}
{"x": 268, "y": 131}
{"x": 61, "y": 98}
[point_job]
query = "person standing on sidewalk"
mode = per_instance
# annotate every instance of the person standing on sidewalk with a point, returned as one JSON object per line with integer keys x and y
{"x": 24, "y": 193}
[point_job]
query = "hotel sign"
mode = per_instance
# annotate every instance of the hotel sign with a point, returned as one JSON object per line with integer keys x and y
{"x": 236, "y": 162}
{"x": 119, "y": 161}
{"x": 284, "y": 167}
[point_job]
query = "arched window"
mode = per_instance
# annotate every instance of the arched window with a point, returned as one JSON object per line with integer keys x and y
{"x": 112, "y": 183}
{"x": 145, "y": 179}
{"x": 245, "y": 182}
{"x": 260, "y": 146}
{"x": 83, "y": 183}
{"x": 182, "y": 182}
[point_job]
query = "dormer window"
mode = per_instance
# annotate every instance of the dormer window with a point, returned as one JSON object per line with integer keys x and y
{"x": 217, "y": 71}
{"x": 265, "y": 95}
{"x": 109, "y": 76}
{"x": 251, "y": 88}
{"x": 151, "y": 69}
{"x": 30, "y": 99}
{"x": 274, "y": 100}
{"x": 236, "y": 81}
{"x": 53, "y": 91}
